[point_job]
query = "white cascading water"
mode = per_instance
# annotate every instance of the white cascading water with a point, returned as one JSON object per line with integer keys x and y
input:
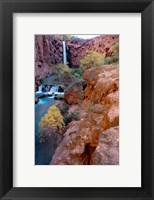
{"x": 39, "y": 89}
{"x": 54, "y": 89}
{"x": 64, "y": 53}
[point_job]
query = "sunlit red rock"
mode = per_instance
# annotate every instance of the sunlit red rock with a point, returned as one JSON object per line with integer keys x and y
{"x": 101, "y": 82}
{"x": 107, "y": 150}
{"x": 83, "y": 141}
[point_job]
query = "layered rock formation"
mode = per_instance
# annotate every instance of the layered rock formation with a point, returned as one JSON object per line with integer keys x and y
{"x": 79, "y": 48}
{"x": 94, "y": 139}
{"x": 48, "y": 51}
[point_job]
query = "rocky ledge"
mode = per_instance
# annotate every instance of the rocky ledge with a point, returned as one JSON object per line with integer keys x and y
{"x": 94, "y": 139}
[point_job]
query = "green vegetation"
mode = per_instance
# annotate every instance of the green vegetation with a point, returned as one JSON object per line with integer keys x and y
{"x": 51, "y": 121}
{"x": 68, "y": 37}
{"x": 62, "y": 74}
{"x": 70, "y": 117}
{"x": 116, "y": 47}
{"x": 115, "y": 57}
{"x": 110, "y": 60}
{"x": 61, "y": 69}
{"x": 92, "y": 59}
{"x": 65, "y": 75}
{"x": 76, "y": 72}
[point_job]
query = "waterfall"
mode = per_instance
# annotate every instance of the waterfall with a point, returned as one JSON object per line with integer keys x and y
{"x": 40, "y": 89}
{"x": 53, "y": 89}
{"x": 64, "y": 53}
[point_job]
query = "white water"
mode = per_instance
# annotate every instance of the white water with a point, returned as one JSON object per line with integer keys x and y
{"x": 64, "y": 53}
{"x": 39, "y": 89}
{"x": 54, "y": 89}
{"x": 51, "y": 94}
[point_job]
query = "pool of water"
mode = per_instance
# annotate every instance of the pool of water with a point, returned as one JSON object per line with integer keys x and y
{"x": 43, "y": 151}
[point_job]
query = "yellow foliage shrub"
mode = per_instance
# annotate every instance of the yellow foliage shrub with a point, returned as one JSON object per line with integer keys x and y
{"x": 53, "y": 120}
{"x": 92, "y": 59}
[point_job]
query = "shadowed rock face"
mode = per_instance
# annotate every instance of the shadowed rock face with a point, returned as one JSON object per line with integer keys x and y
{"x": 48, "y": 51}
{"x": 95, "y": 138}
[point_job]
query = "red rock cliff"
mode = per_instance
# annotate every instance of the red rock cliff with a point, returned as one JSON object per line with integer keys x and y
{"x": 95, "y": 138}
{"x": 102, "y": 44}
{"x": 48, "y": 51}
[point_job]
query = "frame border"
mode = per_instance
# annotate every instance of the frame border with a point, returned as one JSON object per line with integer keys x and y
{"x": 7, "y": 8}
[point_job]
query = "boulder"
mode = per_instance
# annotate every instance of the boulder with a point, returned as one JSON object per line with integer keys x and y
{"x": 74, "y": 95}
{"x": 107, "y": 150}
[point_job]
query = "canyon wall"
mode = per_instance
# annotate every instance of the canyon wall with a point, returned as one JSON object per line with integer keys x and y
{"x": 79, "y": 48}
{"x": 94, "y": 139}
{"x": 49, "y": 51}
